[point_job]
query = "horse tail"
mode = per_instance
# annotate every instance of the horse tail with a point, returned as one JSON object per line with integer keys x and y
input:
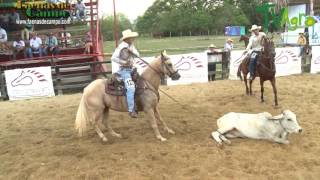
{"x": 82, "y": 118}
{"x": 239, "y": 72}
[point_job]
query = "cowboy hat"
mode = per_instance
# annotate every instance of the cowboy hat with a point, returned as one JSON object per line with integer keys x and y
{"x": 229, "y": 39}
{"x": 255, "y": 27}
{"x": 212, "y": 46}
{"x": 128, "y": 34}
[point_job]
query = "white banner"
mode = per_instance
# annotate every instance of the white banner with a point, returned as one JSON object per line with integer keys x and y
{"x": 314, "y": 33}
{"x": 193, "y": 67}
{"x": 315, "y": 62}
{"x": 286, "y": 60}
{"x": 29, "y": 83}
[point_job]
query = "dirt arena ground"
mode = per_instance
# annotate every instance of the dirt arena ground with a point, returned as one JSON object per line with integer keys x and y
{"x": 37, "y": 139}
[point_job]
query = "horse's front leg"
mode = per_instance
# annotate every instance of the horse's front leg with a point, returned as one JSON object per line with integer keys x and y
{"x": 273, "y": 83}
{"x": 250, "y": 86}
{"x": 262, "y": 89}
{"x": 153, "y": 122}
{"x": 159, "y": 118}
{"x": 246, "y": 83}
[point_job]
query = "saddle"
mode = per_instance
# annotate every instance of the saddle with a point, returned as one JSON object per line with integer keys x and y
{"x": 115, "y": 85}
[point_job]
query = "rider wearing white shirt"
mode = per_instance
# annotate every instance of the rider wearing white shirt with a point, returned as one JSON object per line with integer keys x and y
{"x": 124, "y": 55}
{"x": 254, "y": 48}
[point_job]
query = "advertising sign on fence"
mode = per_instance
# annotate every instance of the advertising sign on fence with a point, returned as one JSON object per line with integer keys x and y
{"x": 315, "y": 62}
{"x": 193, "y": 67}
{"x": 286, "y": 60}
{"x": 29, "y": 83}
{"x": 314, "y": 32}
{"x": 234, "y": 30}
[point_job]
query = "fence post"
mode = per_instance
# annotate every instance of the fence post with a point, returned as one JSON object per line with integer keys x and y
{"x": 91, "y": 71}
{"x": 58, "y": 81}
{"x": 2, "y": 85}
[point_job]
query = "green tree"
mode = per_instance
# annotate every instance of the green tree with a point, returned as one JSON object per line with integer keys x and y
{"x": 107, "y": 25}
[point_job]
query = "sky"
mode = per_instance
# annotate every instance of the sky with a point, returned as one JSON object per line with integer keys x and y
{"x": 131, "y": 8}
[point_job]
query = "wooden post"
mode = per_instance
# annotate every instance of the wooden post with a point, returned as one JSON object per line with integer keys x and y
{"x": 91, "y": 71}
{"x": 2, "y": 85}
{"x": 58, "y": 81}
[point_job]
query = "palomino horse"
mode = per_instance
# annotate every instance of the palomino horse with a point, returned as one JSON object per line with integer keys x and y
{"x": 95, "y": 103}
{"x": 266, "y": 69}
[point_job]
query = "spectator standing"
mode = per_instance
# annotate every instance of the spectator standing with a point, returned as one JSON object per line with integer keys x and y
{"x": 302, "y": 42}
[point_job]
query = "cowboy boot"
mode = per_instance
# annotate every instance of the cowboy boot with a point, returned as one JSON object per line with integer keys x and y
{"x": 133, "y": 114}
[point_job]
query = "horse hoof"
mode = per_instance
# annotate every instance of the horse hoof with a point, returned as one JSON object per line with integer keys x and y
{"x": 162, "y": 139}
{"x": 170, "y": 131}
{"x": 219, "y": 144}
{"x": 116, "y": 135}
{"x": 104, "y": 139}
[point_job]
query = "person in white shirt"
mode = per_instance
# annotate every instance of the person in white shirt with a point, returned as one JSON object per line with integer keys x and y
{"x": 212, "y": 50}
{"x": 124, "y": 55}
{"x": 18, "y": 46}
{"x": 3, "y": 39}
{"x": 80, "y": 10}
{"x": 35, "y": 46}
{"x": 227, "y": 48}
{"x": 254, "y": 48}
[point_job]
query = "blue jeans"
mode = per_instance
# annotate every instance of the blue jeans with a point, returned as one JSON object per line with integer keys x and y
{"x": 253, "y": 63}
{"x": 301, "y": 50}
{"x": 125, "y": 74}
{"x": 55, "y": 51}
{"x": 30, "y": 52}
{"x": 81, "y": 14}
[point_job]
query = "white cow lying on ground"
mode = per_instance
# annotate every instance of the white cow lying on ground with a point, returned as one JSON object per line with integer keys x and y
{"x": 256, "y": 126}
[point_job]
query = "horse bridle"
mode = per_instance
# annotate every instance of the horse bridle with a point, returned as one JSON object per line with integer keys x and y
{"x": 170, "y": 74}
{"x": 161, "y": 74}
{"x": 269, "y": 58}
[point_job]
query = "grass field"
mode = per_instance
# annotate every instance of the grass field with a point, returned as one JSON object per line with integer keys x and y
{"x": 178, "y": 45}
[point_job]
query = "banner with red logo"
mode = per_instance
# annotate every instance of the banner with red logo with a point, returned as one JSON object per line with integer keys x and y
{"x": 29, "y": 83}
{"x": 287, "y": 62}
{"x": 315, "y": 62}
{"x": 192, "y": 67}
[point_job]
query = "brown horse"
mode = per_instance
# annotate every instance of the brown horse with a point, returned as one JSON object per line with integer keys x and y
{"x": 245, "y": 39}
{"x": 95, "y": 103}
{"x": 265, "y": 69}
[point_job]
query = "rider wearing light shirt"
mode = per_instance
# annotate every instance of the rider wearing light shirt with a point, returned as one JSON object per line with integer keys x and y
{"x": 254, "y": 48}
{"x": 124, "y": 55}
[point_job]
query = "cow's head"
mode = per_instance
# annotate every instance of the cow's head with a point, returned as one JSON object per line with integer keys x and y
{"x": 289, "y": 121}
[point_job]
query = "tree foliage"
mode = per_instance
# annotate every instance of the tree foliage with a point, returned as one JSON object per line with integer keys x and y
{"x": 107, "y": 25}
{"x": 197, "y": 16}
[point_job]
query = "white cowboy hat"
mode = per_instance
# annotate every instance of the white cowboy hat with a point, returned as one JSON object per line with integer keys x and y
{"x": 212, "y": 46}
{"x": 229, "y": 39}
{"x": 128, "y": 34}
{"x": 255, "y": 27}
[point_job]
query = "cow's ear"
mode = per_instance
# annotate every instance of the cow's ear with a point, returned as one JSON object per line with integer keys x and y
{"x": 278, "y": 117}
